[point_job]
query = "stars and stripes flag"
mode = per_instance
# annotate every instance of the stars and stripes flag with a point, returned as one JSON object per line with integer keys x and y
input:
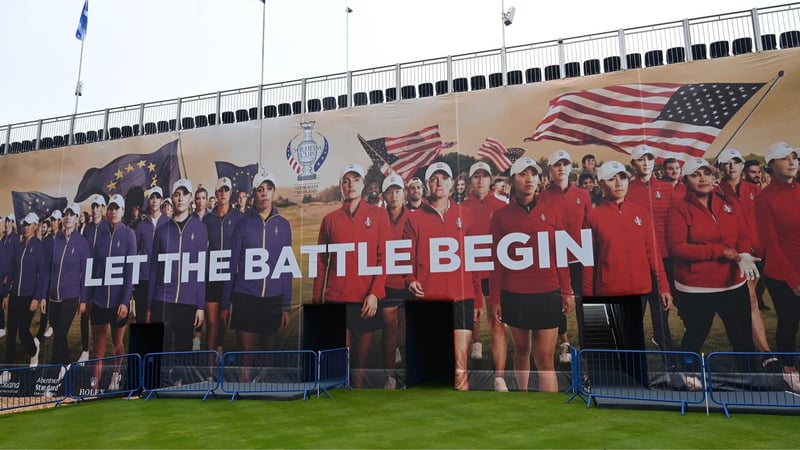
{"x": 405, "y": 154}
{"x": 498, "y": 154}
{"x": 675, "y": 120}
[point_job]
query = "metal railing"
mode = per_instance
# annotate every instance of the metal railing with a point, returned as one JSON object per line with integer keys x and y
{"x": 284, "y": 371}
{"x": 180, "y": 372}
{"x": 755, "y": 30}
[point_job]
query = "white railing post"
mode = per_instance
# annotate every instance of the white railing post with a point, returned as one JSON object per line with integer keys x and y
{"x": 397, "y": 82}
{"x": 303, "y": 97}
{"x": 349, "y": 89}
{"x": 756, "y": 29}
{"x": 141, "y": 119}
{"x": 449, "y": 74}
{"x": 178, "y": 121}
{"x": 561, "y": 59}
{"x": 105, "y": 124}
{"x": 219, "y": 109}
{"x": 623, "y": 51}
{"x": 260, "y": 114}
{"x": 504, "y": 65}
{"x": 687, "y": 40}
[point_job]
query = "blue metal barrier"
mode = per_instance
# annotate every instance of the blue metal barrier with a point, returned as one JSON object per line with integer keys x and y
{"x": 752, "y": 379}
{"x": 639, "y": 375}
{"x": 181, "y": 372}
{"x": 269, "y": 372}
{"x": 21, "y": 387}
{"x": 104, "y": 377}
{"x": 334, "y": 369}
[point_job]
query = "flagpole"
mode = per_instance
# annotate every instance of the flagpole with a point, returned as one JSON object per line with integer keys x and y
{"x": 736, "y": 132}
{"x": 78, "y": 93}
{"x": 261, "y": 85}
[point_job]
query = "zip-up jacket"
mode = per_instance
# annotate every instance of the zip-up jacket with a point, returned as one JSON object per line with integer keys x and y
{"x": 220, "y": 229}
{"x": 573, "y": 204}
{"x": 482, "y": 211}
{"x": 425, "y": 224}
{"x": 696, "y": 238}
{"x": 625, "y": 256}
{"x": 145, "y": 233}
{"x": 397, "y": 281}
{"x": 778, "y": 212}
{"x": 169, "y": 238}
{"x": 272, "y": 234}
{"x": 67, "y": 267}
{"x": 29, "y": 275}
{"x": 119, "y": 242}
{"x": 746, "y": 195}
{"x": 91, "y": 232}
{"x": 368, "y": 225}
{"x": 516, "y": 218}
{"x": 656, "y": 197}
{"x": 8, "y": 248}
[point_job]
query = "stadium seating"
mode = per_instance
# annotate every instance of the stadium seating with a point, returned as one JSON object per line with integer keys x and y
{"x": 408, "y": 92}
{"x": 187, "y": 123}
{"x": 533, "y": 75}
{"x": 253, "y": 113}
{"x": 790, "y": 39}
{"x": 654, "y": 58}
{"x": 284, "y": 109}
{"x": 495, "y": 79}
{"x": 200, "y": 121}
{"x": 328, "y": 103}
{"x": 719, "y": 49}
{"x": 769, "y": 42}
{"x": 114, "y": 133}
{"x": 591, "y": 67}
{"x": 634, "y": 60}
{"x": 477, "y": 82}
{"x": 514, "y": 77}
{"x": 426, "y": 90}
{"x": 699, "y": 52}
{"x": 127, "y": 131}
{"x": 342, "y": 101}
{"x": 460, "y": 85}
{"x": 391, "y": 94}
{"x": 742, "y": 45}
{"x": 80, "y": 138}
{"x": 270, "y": 111}
{"x": 242, "y": 115}
{"x": 441, "y": 87}
{"x": 552, "y": 72}
{"x": 314, "y": 105}
{"x": 227, "y": 117}
{"x": 360, "y": 99}
{"x": 612, "y": 64}
{"x": 676, "y": 55}
{"x": 572, "y": 69}
{"x": 376, "y": 96}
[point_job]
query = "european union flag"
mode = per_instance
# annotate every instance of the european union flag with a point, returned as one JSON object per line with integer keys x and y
{"x": 159, "y": 168}
{"x": 83, "y": 23}
{"x": 241, "y": 177}
{"x": 36, "y": 202}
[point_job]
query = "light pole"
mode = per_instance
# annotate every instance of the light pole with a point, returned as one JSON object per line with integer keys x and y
{"x": 508, "y": 18}
{"x": 347, "y": 11}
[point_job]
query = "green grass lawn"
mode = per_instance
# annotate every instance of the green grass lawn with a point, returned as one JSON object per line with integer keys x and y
{"x": 422, "y": 417}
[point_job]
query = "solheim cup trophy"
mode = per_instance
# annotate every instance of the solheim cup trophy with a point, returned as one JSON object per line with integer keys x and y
{"x": 307, "y": 151}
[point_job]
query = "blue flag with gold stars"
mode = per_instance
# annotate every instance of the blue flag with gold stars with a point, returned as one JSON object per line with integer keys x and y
{"x": 160, "y": 168}
{"x": 241, "y": 177}
{"x": 36, "y": 202}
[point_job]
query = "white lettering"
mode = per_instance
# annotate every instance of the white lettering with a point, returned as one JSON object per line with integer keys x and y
{"x": 168, "y": 259}
{"x": 90, "y": 281}
{"x": 286, "y": 263}
{"x": 114, "y": 266}
{"x": 313, "y": 252}
{"x": 583, "y": 251}
{"x": 341, "y": 256}
{"x": 544, "y": 249}
{"x": 136, "y": 261}
{"x": 363, "y": 261}
{"x": 524, "y": 254}
{"x": 256, "y": 266}
{"x": 393, "y": 257}
{"x": 472, "y": 253}
{"x": 188, "y": 266}
{"x": 444, "y": 249}
{"x": 218, "y": 265}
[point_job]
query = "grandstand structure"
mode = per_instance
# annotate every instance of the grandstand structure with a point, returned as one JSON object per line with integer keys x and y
{"x": 680, "y": 42}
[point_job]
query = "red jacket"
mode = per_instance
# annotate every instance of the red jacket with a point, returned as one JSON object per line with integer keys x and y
{"x": 396, "y": 281}
{"x": 656, "y": 197}
{"x": 625, "y": 257}
{"x": 515, "y": 218}
{"x": 573, "y": 203}
{"x": 778, "y": 212}
{"x": 369, "y": 224}
{"x": 745, "y": 195}
{"x": 482, "y": 211}
{"x": 422, "y": 226}
{"x": 697, "y": 236}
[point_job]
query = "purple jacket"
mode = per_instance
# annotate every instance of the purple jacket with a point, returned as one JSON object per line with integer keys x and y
{"x": 120, "y": 242}
{"x": 145, "y": 233}
{"x": 67, "y": 267}
{"x": 271, "y": 234}
{"x": 8, "y": 246}
{"x": 29, "y": 275}
{"x": 193, "y": 239}
{"x": 92, "y": 231}
{"x": 220, "y": 229}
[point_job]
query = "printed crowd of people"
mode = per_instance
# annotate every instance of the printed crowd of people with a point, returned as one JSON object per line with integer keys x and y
{"x": 707, "y": 239}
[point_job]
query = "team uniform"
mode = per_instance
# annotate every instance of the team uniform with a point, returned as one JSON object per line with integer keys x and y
{"x": 368, "y": 225}
{"x": 145, "y": 233}
{"x": 8, "y": 248}
{"x": 28, "y": 280}
{"x": 482, "y": 211}
{"x": 220, "y": 236}
{"x": 121, "y": 241}
{"x": 175, "y": 302}
{"x": 67, "y": 288}
{"x": 530, "y": 298}
{"x": 705, "y": 281}
{"x": 258, "y": 303}
{"x": 625, "y": 255}
{"x": 396, "y": 291}
{"x": 90, "y": 231}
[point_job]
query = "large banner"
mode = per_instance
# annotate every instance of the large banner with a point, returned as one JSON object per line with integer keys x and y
{"x": 512, "y": 204}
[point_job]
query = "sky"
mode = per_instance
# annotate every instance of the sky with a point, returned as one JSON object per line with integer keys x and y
{"x": 148, "y": 50}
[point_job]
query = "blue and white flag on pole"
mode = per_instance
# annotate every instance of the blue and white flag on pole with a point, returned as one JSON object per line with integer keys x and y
{"x": 80, "y": 34}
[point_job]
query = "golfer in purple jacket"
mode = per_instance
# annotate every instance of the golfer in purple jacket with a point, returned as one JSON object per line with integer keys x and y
{"x": 261, "y": 303}
{"x": 177, "y": 273}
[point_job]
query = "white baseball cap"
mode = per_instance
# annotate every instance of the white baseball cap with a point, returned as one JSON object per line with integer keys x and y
{"x": 415, "y": 180}
{"x": 692, "y": 165}
{"x": 31, "y": 218}
{"x": 557, "y": 156}
{"x": 118, "y": 200}
{"x": 262, "y": 177}
{"x": 223, "y": 182}
{"x": 523, "y": 163}
{"x": 154, "y": 190}
{"x": 56, "y": 215}
{"x": 641, "y": 150}
{"x": 352, "y": 168}
{"x": 779, "y": 150}
{"x": 438, "y": 167}
{"x": 74, "y": 208}
{"x": 392, "y": 180}
{"x": 99, "y": 199}
{"x": 728, "y": 155}
{"x": 480, "y": 165}
{"x": 11, "y": 216}
{"x": 611, "y": 168}
{"x": 182, "y": 183}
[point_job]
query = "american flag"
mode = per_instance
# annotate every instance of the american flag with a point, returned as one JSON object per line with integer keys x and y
{"x": 405, "y": 154}
{"x": 676, "y": 120}
{"x": 291, "y": 159}
{"x": 497, "y": 153}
